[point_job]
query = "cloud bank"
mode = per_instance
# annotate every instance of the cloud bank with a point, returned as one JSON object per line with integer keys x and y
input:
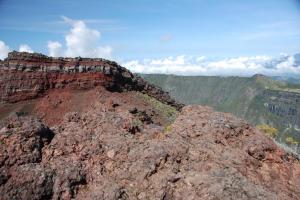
{"x": 83, "y": 41}
{"x": 4, "y": 49}
{"x": 55, "y": 48}
{"x": 79, "y": 41}
{"x": 25, "y": 48}
{"x": 238, "y": 66}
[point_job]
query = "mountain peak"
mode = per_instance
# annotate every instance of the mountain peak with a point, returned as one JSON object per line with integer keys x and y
{"x": 259, "y": 76}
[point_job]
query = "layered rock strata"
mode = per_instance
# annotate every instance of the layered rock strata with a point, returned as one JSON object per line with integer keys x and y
{"x": 26, "y": 76}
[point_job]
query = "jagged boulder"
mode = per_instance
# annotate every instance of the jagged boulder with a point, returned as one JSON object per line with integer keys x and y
{"x": 21, "y": 175}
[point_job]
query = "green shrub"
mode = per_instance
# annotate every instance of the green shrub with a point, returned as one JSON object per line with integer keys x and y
{"x": 168, "y": 112}
{"x": 291, "y": 140}
{"x": 168, "y": 129}
{"x": 268, "y": 130}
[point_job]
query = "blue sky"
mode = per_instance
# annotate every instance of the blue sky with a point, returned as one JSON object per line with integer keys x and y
{"x": 143, "y": 29}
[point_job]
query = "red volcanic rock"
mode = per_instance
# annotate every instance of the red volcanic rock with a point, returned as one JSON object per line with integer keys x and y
{"x": 26, "y": 76}
{"x": 203, "y": 155}
{"x": 18, "y": 86}
{"x": 22, "y": 140}
{"x": 231, "y": 160}
{"x": 104, "y": 144}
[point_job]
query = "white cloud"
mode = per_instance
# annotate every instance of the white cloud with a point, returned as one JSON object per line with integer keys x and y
{"x": 289, "y": 66}
{"x": 79, "y": 41}
{"x": 25, "y": 48}
{"x": 179, "y": 60}
{"x": 4, "y": 49}
{"x": 200, "y": 58}
{"x": 55, "y": 48}
{"x": 239, "y": 66}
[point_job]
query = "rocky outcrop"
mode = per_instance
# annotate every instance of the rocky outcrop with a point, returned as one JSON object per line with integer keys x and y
{"x": 21, "y": 175}
{"x": 94, "y": 155}
{"x": 26, "y": 76}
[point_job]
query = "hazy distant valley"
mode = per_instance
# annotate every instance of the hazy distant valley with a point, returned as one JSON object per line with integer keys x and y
{"x": 270, "y": 104}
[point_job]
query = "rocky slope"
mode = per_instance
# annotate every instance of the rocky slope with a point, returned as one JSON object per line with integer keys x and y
{"x": 258, "y": 99}
{"x": 101, "y": 144}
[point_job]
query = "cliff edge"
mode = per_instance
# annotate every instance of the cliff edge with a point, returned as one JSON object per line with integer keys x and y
{"x": 25, "y": 76}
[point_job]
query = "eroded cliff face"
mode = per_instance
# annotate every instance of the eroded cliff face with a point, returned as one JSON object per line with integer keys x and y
{"x": 285, "y": 105}
{"x": 280, "y": 109}
{"x": 25, "y": 76}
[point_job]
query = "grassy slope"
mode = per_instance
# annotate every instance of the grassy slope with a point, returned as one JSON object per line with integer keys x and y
{"x": 230, "y": 94}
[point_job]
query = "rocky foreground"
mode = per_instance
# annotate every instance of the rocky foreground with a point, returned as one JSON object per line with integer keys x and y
{"x": 97, "y": 142}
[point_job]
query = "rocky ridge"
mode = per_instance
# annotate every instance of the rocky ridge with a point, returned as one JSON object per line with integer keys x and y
{"x": 95, "y": 155}
{"x": 26, "y": 76}
{"x": 131, "y": 144}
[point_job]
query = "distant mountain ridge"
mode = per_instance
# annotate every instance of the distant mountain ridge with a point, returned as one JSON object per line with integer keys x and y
{"x": 291, "y": 80}
{"x": 258, "y": 99}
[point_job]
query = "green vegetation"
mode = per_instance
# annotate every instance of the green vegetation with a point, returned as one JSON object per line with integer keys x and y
{"x": 168, "y": 129}
{"x": 291, "y": 140}
{"x": 268, "y": 130}
{"x": 227, "y": 94}
{"x": 167, "y": 112}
